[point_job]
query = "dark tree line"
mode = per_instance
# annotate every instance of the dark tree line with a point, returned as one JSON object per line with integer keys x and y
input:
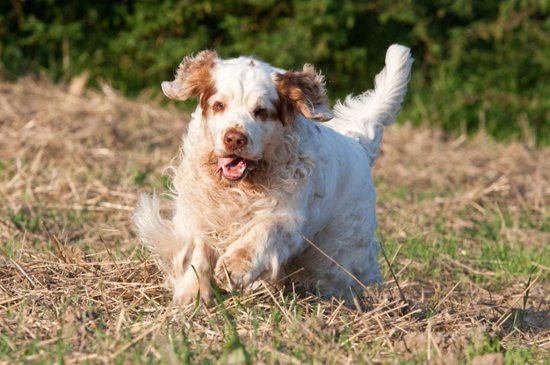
{"x": 477, "y": 62}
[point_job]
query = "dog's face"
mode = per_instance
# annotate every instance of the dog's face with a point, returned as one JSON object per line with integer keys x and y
{"x": 247, "y": 105}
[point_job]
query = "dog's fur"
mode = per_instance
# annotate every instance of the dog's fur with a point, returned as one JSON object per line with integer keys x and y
{"x": 263, "y": 188}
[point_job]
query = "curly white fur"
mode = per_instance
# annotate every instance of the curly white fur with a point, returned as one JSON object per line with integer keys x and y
{"x": 242, "y": 210}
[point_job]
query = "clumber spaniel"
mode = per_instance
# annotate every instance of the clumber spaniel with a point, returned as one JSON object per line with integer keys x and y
{"x": 266, "y": 191}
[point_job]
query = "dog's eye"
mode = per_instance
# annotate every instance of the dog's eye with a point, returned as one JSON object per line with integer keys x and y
{"x": 261, "y": 113}
{"x": 218, "y": 107}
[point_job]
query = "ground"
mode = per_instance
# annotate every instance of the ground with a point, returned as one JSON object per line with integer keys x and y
{"x": 464, "y": 223}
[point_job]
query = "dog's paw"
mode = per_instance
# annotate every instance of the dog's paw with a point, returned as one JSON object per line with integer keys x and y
{"x": 186, "y": 293}
{"x": 235, "y": 269}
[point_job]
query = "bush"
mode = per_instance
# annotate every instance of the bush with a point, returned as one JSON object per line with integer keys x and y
{"x": 477, "y": 63}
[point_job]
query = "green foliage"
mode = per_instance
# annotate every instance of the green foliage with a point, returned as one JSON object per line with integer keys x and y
{"x": 478, "y": 63}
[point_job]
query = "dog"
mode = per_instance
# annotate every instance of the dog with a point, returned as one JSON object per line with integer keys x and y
{"x": 273, "y": 185}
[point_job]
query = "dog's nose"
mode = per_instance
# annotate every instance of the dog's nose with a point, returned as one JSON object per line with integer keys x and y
{"x": 234, "y": 140}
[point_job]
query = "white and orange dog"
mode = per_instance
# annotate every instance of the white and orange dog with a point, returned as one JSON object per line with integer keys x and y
{"x": 264, "y": 190}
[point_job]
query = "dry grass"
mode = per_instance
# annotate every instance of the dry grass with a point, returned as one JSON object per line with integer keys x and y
{"x": 465, "y": 225}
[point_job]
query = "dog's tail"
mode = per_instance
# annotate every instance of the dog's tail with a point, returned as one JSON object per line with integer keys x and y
{"x": 158, "y": 234}
{"x": 363, "y": 117}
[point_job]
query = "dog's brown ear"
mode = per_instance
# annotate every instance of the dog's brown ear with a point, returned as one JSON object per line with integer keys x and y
{"x": 302, "y": 92}
{"x": 193, "y": 77}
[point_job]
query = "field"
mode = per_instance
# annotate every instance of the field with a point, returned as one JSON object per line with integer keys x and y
{"x": 464, "y": 223}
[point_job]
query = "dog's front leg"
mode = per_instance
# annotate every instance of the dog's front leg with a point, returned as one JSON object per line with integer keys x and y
{"x": 257, "y": 253}
{"x": 195, "y": 280}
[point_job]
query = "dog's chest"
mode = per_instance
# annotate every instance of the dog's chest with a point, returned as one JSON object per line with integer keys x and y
{"x": 228, "y": 215}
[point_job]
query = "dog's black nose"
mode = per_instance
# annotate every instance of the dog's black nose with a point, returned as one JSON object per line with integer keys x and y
{"x": 234, "y": 140}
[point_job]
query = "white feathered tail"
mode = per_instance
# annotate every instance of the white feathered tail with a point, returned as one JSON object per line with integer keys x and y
{"x": 155, "y": 232}
{"x": 364, "y": 116}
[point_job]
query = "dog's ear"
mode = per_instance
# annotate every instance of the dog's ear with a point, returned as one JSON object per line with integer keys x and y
{"x": 302, "y": 92}
{"x": 193, "y": 76}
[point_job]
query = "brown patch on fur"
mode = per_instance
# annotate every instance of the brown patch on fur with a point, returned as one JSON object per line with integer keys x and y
{"x": 193, "y": 78}
{"x": 194, "y": 72}
{"x": 205, "y": 96}
{"x": 242, "y": 256}
{"x": 302, "y": 92}
{"x": 234, "y": 267}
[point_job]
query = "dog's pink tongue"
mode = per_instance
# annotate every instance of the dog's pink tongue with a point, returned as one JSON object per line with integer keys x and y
{"x": 224, "y": 161}
{"x": 232, "y": 167}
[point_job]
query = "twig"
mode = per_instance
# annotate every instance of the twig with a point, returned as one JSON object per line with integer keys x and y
{"x": 335, "y": 262}
{"x": 401, "y": 294}
{"x": 508, "y": 312}
{"x": 447, "y": 295}
{"x": 468, "y": 268}
{"x": 384, "y": 332}
{"x": 24, "y": 273}
{"x": 58, "y": 246}
{"x": 300, "y": 326}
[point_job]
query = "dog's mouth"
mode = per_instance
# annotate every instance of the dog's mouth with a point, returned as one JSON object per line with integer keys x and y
{"x": 234, "y": 168}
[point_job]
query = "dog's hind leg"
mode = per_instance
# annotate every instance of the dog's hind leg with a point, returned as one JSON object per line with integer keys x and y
{"x": 341, "y": 259}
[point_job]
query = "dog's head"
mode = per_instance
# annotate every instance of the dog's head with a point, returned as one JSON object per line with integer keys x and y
{"x": 247, "y": 105}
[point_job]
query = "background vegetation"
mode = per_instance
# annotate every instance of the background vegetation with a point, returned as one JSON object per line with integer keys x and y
{"x": 479, "y": 64}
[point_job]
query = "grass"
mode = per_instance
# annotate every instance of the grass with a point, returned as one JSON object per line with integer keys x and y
{"x": 464, "y": 223}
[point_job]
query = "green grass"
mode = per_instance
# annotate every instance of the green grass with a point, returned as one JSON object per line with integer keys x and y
{"x": 482, "y": 246}
{"x": 491, "y": 260}
{"x": 473, "y": 266}
{"x": 184, "y": 340}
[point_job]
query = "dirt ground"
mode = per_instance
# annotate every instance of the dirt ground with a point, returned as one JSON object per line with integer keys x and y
{"x": 465, "y": 224}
